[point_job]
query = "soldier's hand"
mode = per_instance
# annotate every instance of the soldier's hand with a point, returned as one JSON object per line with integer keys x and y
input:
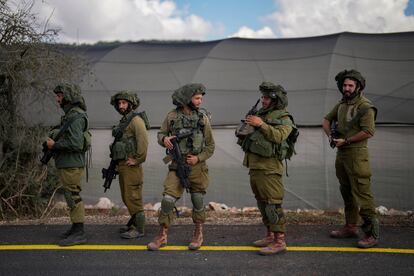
{"x": 50, "y": 143}
{"x": 167, "y": 142}
{"x": 254, "y": 120}
{"x": 131, "y": 162}
{"x": 192, "y": 159}
{"x": 339, "y": 142}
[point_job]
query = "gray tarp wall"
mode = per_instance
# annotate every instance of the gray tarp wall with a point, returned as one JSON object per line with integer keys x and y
{"x": 232, "y": 69}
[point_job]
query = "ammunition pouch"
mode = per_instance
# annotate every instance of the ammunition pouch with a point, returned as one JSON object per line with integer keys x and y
{"x": 119, "y": 151}
{"x": 258, "y": 144}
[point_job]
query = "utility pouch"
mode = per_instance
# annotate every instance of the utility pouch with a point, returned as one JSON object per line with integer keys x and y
{"x": 119, "y": 151}
{"x": 260, "y": 145}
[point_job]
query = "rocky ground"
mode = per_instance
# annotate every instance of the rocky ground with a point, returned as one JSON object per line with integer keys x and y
{"x": 217, "y": 213}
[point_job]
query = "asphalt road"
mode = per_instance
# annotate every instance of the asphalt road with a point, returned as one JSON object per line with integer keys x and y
{"x": 30, "y": 250}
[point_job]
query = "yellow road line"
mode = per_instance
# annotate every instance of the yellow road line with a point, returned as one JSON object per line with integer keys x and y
{"x": 203, "y": 248}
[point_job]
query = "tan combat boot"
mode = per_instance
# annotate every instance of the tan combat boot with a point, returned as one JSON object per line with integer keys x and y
{"x": 266, "y": 240}
{"x": 367, "y": 242}
{"x": 276, "y": 246}
{"x": 197, "y": 239}
{"x": 347, "y": 231}
{"x": 160, "y": 240}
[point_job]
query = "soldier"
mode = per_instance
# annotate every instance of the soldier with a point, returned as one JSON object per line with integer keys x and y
{"x": 264, "y": 152}
{"x": 130, "y": 151}
{"x": 355, "y": 116}
{"x": 197, "y": 149}
{"x": 70, "y": 158}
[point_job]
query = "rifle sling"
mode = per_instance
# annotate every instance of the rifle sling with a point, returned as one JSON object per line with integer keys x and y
{"x": 66, "y": 125}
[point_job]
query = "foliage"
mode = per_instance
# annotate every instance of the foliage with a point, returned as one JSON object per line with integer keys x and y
{"x": 30, "y": 66}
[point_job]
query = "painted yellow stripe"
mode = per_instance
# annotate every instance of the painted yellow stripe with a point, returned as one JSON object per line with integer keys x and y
{"x": 203, "y": 248}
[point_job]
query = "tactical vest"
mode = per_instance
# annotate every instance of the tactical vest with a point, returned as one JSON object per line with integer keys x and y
{"x": 195, "y": 121}
{"x": 258, "y": 144}
{"x": 125, "y": 146}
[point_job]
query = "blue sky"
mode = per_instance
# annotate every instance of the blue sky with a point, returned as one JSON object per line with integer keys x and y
{"x": 133, "y": 20}
{"x": 231, "y": 13}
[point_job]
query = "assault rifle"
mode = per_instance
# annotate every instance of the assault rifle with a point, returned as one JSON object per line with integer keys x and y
{"x": 110, "y": 173}
{"x": 333, "y": 134}
{"x": 244, "y": 128}
{"x": 182, "y": 170}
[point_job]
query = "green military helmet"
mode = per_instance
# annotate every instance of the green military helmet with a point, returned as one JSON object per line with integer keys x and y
{"x": 125, "y": 95}
{"x": 350, "y": 74}
{"x": 182, "y": 96}
{"x": 276, "y": 92}
{"x": 71, "y": 94}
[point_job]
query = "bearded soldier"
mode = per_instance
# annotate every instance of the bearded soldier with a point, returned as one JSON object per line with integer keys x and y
{"x": 265, "y": 149}
{"x": 355, "y": 116}
{"x": 69, "y": 155}
{"x": 130, "y": 151}
{"x": 196, "y": 149}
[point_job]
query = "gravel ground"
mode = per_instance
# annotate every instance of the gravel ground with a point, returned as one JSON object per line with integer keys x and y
{"x": 298, "y": 217}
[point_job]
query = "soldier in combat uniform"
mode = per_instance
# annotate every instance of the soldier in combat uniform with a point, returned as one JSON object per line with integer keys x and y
{"x": 130, "y": 152}
{"x": 263, "y": 156}
{"x": 355, "y": 115}
{"x": 70, "y": 158}
{"x": 197, "y": 149}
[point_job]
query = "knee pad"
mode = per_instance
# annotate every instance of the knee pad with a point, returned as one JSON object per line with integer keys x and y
{"x": 168, "y": 204}
{"x": 72, "y": 198}
{"x": 197, "y": 200}
{"x": 272, "y": 213}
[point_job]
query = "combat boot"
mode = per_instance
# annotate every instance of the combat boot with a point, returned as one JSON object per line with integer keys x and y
{"x": 197, "y": 239}
{"x": 76, "y": 237}
{"x": 367, "y": 242}
{"x": 68, "y": 232}
{"x": 266, "y": 240}
{"x": 160, "y": 240}
{"x": 347, "y": 231}
{"x": 276, "y": 246}
{"x": 132, "y": 233}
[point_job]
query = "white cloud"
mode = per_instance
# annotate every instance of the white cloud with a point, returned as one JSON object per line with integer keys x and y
{"x": 301, "y": 18}
{"x": 108, "y": 20}
{"x": 246, "y": 32}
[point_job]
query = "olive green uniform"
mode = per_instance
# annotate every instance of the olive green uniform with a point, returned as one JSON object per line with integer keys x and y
{"x": 133, "y": 144}
{"x": 70, "y": 161}
{"x": 266, "y": 171}
{"x": 352, "y": 160}
{"x": 202, "y": 146}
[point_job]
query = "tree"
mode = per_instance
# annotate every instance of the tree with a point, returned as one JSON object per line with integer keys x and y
{"x": 31, "y": 64}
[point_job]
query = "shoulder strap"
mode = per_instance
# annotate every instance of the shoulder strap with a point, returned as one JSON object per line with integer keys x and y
{"x": 67, "y": 124}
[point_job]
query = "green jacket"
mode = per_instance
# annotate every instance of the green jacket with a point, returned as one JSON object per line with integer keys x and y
{"x": 68, "y": 149}
{"x": 353, "y": 116}
{"x": 272, "y": 133}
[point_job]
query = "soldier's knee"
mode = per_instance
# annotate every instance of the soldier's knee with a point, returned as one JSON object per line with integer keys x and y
{"x": 197, "y": 200}
{"x": 168, "y": 204}
{"x": 72, "y": 198}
